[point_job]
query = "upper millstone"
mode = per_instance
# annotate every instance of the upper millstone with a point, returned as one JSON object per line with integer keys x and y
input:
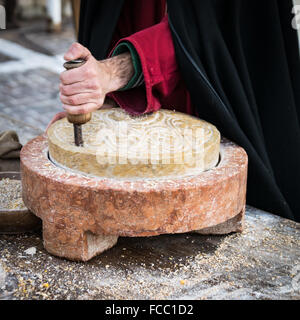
{"x": 163, "y": 144}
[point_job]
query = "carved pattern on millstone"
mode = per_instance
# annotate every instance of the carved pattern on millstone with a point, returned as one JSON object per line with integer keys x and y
{"x": 160, "y": 145}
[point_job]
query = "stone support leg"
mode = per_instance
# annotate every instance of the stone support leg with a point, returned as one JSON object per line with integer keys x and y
{"x": 235, "y": 224}
{"x": 75, "y": 244}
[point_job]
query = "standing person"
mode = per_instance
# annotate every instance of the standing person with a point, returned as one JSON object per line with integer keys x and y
{"x": 230, "y": 62}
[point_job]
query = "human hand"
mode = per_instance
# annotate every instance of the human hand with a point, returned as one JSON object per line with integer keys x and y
{"x": 83, "y": 90}
{"x": 108, "y": 103}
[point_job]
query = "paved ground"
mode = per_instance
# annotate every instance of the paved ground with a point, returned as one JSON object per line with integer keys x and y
{"x": 30, "y": 62}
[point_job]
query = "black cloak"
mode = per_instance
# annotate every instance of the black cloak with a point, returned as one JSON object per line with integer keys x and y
{"x": 240, "y": 62}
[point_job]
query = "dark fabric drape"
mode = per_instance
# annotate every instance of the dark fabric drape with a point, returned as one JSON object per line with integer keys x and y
{"x": 98, "y": 19}
{"x": 240, "y": 63}
{"x": 248, "y": 53}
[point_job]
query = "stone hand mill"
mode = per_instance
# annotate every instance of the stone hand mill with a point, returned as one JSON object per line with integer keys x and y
{"x": 123, "y": 182}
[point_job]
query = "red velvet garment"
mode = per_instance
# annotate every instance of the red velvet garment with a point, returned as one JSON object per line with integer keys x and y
{"x": 145, "y": 25}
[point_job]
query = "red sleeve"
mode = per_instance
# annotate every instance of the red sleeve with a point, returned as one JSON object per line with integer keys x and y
{"x": 163, "y": 85}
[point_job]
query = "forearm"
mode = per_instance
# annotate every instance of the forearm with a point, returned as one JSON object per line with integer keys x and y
{"x": 161, "y": 76}
{"x": 120, "y": 70}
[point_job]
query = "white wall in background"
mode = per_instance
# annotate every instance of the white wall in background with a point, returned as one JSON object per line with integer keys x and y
{"x": 37, "y": 8}
{"x": 297, "y": 3}
{"x": 54, "y": 11}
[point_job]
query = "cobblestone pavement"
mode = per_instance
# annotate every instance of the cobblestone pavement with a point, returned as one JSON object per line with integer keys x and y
{"x": 30, "y": 96}
{"x": 30, "y": 63}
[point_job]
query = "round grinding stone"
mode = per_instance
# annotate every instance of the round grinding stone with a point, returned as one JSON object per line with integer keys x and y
{"x": 83, "y": 216}
{"x": 116, "y": 145}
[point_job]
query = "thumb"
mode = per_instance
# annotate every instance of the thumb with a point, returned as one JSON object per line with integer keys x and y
{"x": 58, "y": 116}
{"x": 77, "y": 51}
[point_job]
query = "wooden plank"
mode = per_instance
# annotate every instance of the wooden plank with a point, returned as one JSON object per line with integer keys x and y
{"x": 261, "y": 263}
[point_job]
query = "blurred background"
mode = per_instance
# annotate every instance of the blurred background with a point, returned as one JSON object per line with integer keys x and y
{"x": 37, "y": 34}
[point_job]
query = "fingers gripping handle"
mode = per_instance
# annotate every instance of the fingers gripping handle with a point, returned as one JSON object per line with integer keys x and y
{"x": 77, "y": 118}
{"x": 72, "y": 64}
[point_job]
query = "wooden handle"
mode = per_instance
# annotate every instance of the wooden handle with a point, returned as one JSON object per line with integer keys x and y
{"x": 77, "y": 118}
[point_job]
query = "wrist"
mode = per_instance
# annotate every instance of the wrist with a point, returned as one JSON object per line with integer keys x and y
{"x": 119, "y": 69}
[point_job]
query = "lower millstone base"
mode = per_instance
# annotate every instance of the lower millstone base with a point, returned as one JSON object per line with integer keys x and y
{"x": 88, "y": 245}
{"x": 84, "y": 216}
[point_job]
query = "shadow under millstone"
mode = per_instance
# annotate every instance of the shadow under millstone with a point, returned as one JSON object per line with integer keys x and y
{"x": 164, "y": 251}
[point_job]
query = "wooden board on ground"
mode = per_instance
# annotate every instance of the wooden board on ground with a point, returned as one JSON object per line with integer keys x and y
{"x": 261, "y": 263}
